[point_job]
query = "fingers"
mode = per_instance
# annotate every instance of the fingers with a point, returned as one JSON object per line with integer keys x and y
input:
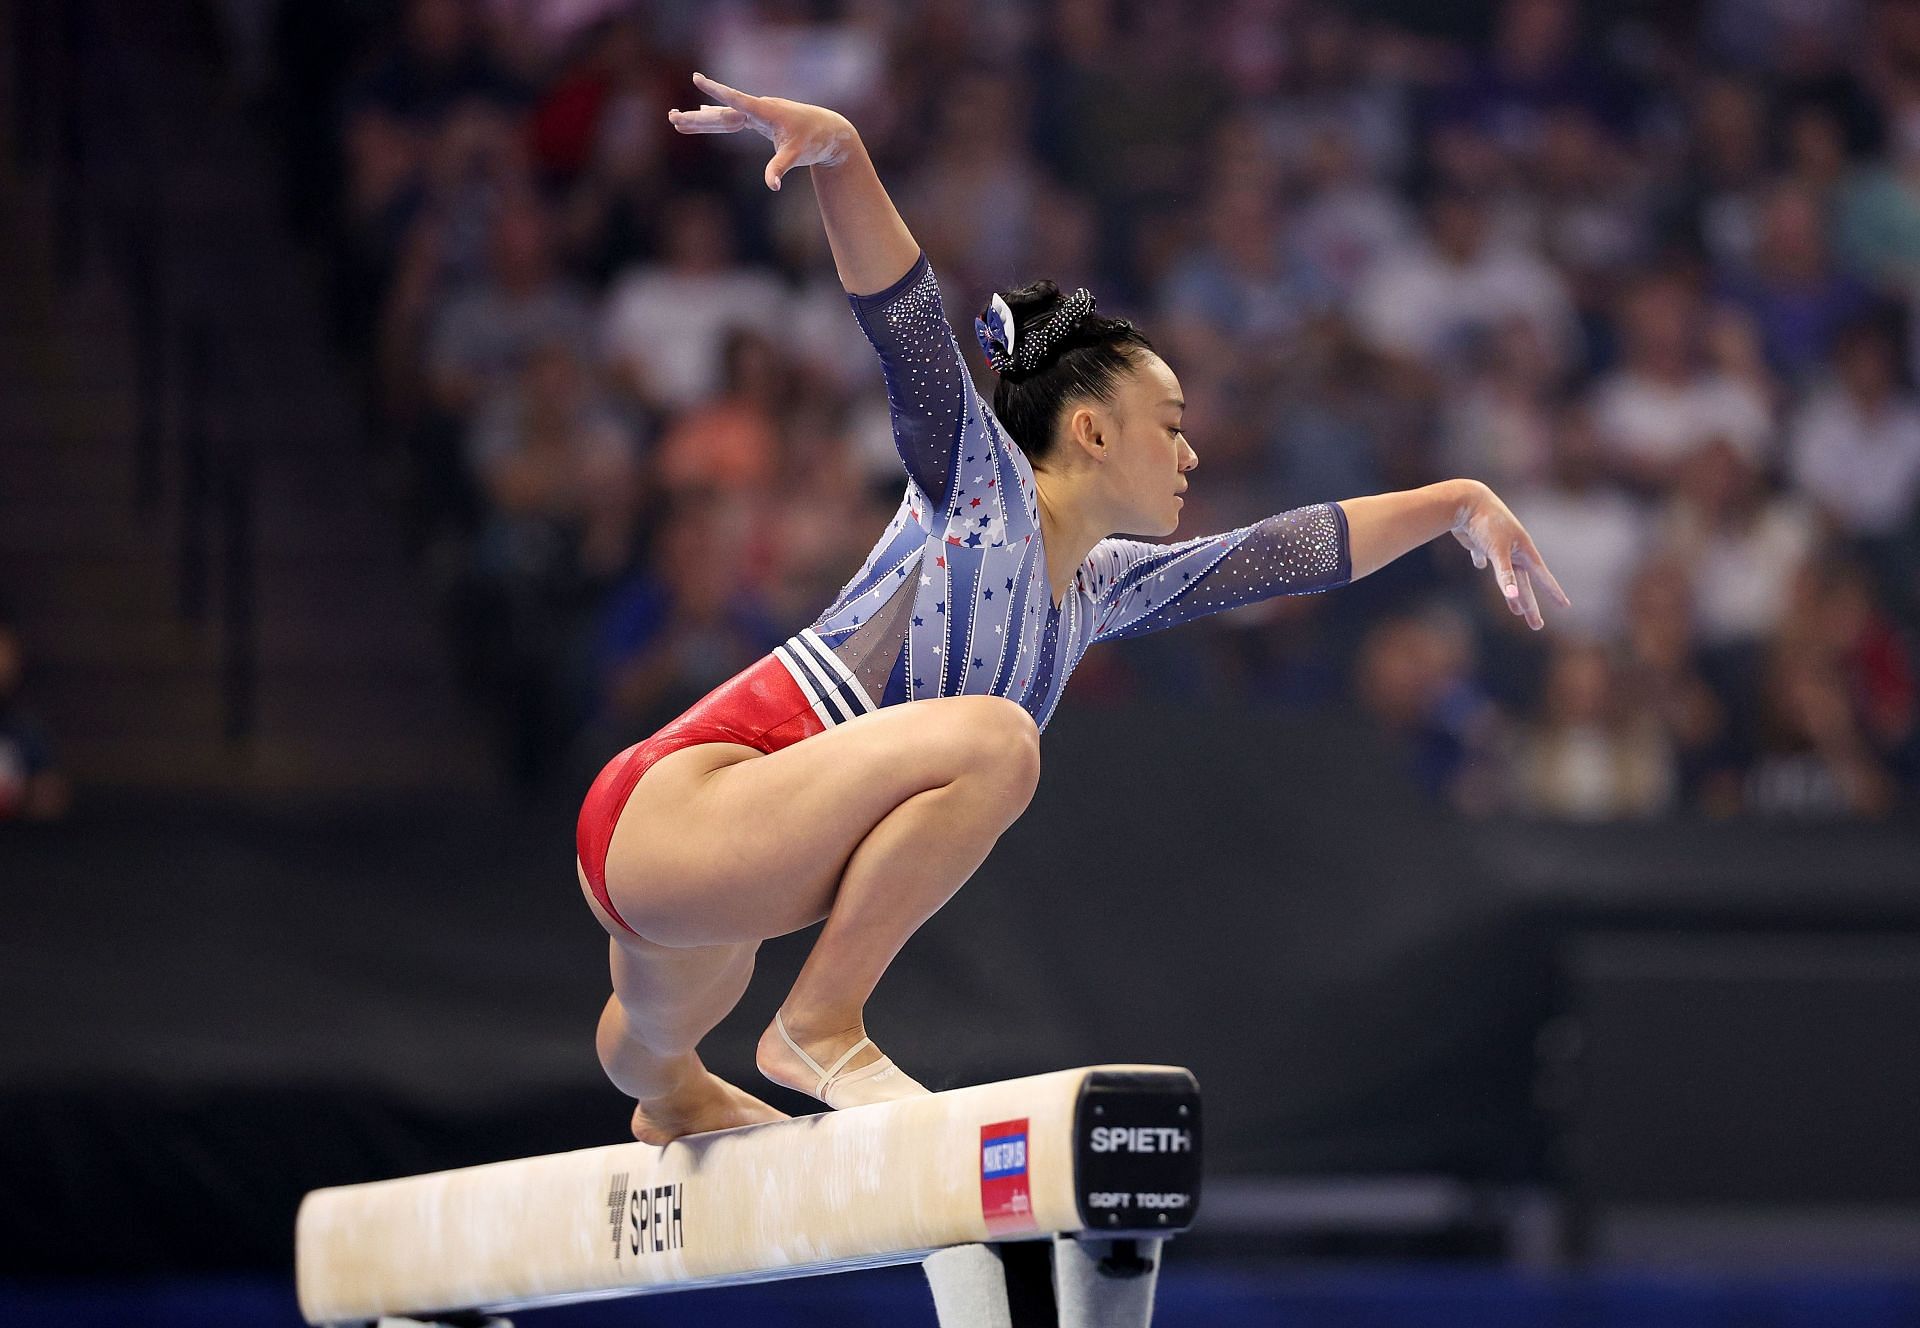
{"x": 1539, "y": 564}
{"x": 708, "y": 120}
{"x": 726, "y": 96}
{"x": 782, "y": 162}
{"x": 1465, "y": 542}
{"x": 1503, "y": 573}
{"x": 1517, "y": 586}
{"x": 1514, "y": 563}
{"x": 1528, "y": 606}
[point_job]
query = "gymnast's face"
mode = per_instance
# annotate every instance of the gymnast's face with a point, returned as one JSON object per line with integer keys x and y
{"x": 1146, "y": 453}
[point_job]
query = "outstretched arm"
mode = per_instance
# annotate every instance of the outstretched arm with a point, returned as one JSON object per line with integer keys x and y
{"x": 1145, "y": 587}
{"x": 872, "y": 247}
{"x": 1386, "y": 525}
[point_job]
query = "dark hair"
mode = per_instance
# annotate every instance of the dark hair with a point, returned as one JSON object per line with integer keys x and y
{"x": 1086, "y": 361}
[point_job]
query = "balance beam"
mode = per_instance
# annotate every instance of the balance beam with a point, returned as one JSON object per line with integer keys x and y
{"x": 1112, "y": 1150}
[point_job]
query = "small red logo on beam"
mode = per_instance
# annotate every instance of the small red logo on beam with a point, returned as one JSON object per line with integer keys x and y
{"x": 1005, "y": 1200}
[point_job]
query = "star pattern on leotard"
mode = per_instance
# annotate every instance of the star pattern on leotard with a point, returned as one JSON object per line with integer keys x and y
{"x": 961, "y": 546}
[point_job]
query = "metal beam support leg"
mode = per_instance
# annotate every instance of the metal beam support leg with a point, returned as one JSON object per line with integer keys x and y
{"x": 1103, "y": 1283}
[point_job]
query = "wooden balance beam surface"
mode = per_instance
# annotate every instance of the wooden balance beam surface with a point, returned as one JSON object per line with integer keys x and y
{"x": 1113, "y": 1149}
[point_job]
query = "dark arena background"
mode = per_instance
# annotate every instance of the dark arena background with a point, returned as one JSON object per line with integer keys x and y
{"x": 397, "y": 419}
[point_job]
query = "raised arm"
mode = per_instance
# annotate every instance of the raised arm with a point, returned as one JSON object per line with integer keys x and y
{"x": 893, "y": 291}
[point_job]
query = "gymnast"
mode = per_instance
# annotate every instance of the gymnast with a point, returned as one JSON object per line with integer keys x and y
{"x": 804, "y": 789}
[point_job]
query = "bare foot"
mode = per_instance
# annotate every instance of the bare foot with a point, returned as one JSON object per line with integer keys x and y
{"x": 704, "y": 1103}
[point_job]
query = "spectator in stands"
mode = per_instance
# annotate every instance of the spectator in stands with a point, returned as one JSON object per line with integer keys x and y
{"x": 487, "y": 333}
{"x": 421, "y": 130}
{"x": 1877, "y": 226}
{"x": 1537, "y": 65}
{"x": 1497, "y": 421}
{"x": 1430, "y": 300}
{"x": 972, "y": 203}
{"x": 1835, "y": 618}
{"x": 1723, "y": 187}
{"x": 450, "y": 341}
{"x": 610, "y": 71}
{"x": 732, "y": 441}
{"x": 1663, "y": 669}
{"x": 444, "y": 227}
{"x": 32, "y": 787}
{"x": 1603, "y": 530}
{"x": 1063, "y": 236}
{"x": 1415, "y": 681}
{"x": 1813, "y": 757}
{"x": 603, "y": 129}
{"x": 1345, "y": 219}
{"x": 1798, "y": 300}
{"x": 1665, "y": 401}
{"x": 825, "y": 510}
{"x": 1131, "y": 94}
{"x": 1466, "y": 159}
{"x": 684, "y": 623}
{"x": 666, "y": 323}
{"x": 1591, "y": 753}
{"x": 1239, "y": 289}
{"x": 1330, "y": 423}
{"x": 1740, "y": 544}
{"x": 1816, "y": 151}
{"x": 559, "y": 468}
{"x": 1334, "y": 85}
{"x": 1854, "y": 449}
{"x": 558, "y": 472}
{"x": 439, "y": 62}
{"x": 1593, "y": 207}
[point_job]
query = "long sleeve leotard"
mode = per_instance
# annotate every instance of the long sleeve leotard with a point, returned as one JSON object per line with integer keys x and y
{"x": 954, "y": 599}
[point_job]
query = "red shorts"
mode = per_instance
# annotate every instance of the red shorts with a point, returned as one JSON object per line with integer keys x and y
{"x": 799, "y": 690}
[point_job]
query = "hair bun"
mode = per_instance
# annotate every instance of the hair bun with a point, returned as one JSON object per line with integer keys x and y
{"x": 1055, "y": 327}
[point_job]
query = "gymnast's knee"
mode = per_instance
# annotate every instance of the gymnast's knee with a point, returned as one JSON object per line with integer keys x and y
{"x": 641, "y": 1063}
{"x": 1002, "y": 748}
{"x": 658, "y": 1034}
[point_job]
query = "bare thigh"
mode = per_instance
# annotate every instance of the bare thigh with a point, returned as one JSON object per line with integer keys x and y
{"x": 670, "y": 996}
{"x": 720, "y": 844}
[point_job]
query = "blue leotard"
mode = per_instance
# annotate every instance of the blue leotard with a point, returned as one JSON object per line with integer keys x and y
{"x": 953, "y": 600}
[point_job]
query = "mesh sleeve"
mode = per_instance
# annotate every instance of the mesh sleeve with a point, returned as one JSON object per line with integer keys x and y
{"x": 1144, "y": 587}
{"x": 928, "y": 389}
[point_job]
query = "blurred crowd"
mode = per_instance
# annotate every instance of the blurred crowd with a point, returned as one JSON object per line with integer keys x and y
{"x": 1648, "y": 271}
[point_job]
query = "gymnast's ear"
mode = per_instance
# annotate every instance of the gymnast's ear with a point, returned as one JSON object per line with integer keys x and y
{"x": 1084, "y": 430}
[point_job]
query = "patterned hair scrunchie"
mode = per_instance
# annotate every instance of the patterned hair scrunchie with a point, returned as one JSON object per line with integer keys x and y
{"x": 995, "y": 329}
